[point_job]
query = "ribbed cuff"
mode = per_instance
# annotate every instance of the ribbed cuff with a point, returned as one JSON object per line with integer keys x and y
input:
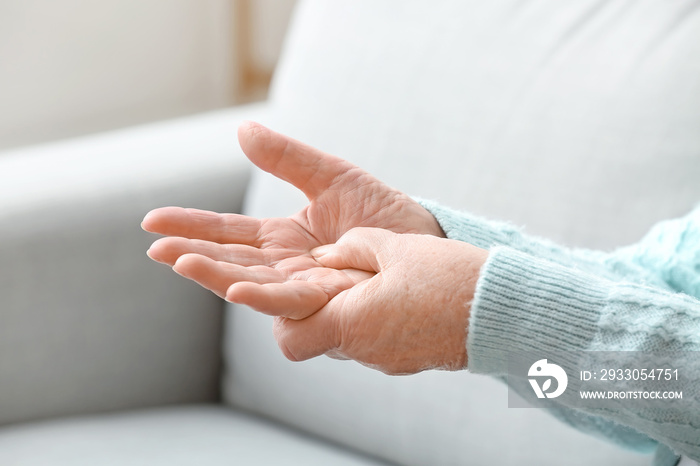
{"x": 470, "y": 228}
{"x": 527, "y": 304}
{"x": 664, "y": 456}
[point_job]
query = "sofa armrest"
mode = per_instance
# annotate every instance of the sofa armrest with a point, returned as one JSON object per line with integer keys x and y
{"x": 87, "y": 322}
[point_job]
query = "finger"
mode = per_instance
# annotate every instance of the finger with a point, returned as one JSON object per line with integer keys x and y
{"x": 168, "y": 250}
{"x": 204, "y": 225}
{"x": 309, "y": 169}
{"x": 295, "y": 299}
{"x": 219, "y": 276}
{"x": 359, "y": 248}
{"x": 304, "y": 339}
{"x": 332, "y": 281}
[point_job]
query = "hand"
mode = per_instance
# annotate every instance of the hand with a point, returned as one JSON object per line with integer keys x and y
{"x": 411, "y": 315}
{"x": 265, "y": 263}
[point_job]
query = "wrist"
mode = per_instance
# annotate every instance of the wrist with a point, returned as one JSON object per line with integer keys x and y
{"x": 463, "y": 270}
{"x": 470, "y": 228}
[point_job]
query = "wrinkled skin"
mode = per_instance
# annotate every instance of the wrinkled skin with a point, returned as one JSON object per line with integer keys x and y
{"x": 267, "y": 263}
{"x": 410, "y": 316}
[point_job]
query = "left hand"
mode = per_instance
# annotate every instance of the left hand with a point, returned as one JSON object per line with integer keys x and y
{"x": 265, "y": 263}
{"x": 412, "y": 315}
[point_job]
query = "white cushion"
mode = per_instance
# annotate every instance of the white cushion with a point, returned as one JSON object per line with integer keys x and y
{"x": 191, "y": 435}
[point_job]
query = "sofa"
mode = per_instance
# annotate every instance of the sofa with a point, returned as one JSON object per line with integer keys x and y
{"x": 578, "y": 120}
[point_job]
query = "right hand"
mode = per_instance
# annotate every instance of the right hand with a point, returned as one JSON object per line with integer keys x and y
{"x": 411, "y": 315}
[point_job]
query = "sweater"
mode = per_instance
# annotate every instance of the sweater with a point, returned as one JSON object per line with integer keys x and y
{"x": 536, "y": 296}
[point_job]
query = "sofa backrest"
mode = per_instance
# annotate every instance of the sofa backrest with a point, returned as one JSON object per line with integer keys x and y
{"x": 580, "y": 120}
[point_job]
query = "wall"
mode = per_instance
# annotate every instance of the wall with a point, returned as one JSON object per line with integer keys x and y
{"x": 260, "y": 29}
{"x": 71, "y": 67}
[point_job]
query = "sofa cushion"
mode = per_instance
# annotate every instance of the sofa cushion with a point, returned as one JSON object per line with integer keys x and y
{"x": 187, "y": 435}
{"x": 580, "y": 120}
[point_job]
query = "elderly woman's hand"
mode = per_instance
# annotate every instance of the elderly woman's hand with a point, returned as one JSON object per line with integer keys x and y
{"x": 411, "y": 315}
{"x": 266, "y": 263}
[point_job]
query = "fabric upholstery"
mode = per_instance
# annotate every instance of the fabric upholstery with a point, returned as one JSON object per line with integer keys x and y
{"x": 579, "y": 120}
{"x": 178, "y": 436}
{"x": 87, "y": 322}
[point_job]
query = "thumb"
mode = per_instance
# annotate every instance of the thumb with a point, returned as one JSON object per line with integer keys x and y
{"x": 304, "y": 339}
{"x": 359, "y": 248}
{"x": 308, "y": 169}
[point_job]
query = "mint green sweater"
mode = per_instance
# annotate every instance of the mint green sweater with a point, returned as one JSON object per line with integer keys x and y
{"x": 535, "y": 296}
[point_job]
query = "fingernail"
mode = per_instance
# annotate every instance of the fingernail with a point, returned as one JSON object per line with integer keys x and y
{"x": 228, "y": 297}
{"x": 178, "y": 269}
{"x": 149, "y": 253}
{"x": 144, "y": 222}
{"x": 179, "y": 272}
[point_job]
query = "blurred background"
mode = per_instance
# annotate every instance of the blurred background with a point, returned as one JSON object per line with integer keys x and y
{"x": 73, "y": 67}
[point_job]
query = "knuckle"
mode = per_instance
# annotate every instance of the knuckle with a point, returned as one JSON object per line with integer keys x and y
{"x": 280, "y": 330}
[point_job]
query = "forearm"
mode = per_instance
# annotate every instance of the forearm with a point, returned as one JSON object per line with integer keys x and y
{"x": 484, "y": 233}
{"x": 536, "y": 295}
{"x": 526, "y": 304}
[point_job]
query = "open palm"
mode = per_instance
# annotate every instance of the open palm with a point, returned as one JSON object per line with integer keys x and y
{"x": 266, "y": 263}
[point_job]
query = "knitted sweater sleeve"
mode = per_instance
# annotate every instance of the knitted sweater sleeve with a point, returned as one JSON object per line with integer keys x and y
{"x": 535, "y": 296}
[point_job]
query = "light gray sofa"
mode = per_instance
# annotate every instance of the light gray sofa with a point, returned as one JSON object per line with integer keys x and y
{"x": 580, "y": 120}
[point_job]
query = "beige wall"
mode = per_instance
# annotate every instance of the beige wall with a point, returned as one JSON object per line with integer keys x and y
{"x": 269, "y": 20}
{"x": 70, "y": 67}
